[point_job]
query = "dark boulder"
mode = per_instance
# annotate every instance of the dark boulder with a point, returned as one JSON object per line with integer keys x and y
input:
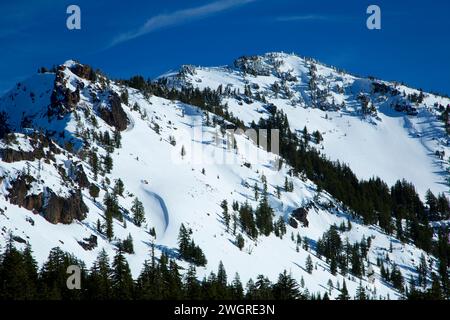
{"x": 301, "y": 215}
{"x": 89, "y": 243}
{"x": 293, "y": 223}
{"x": 115, "y": 116}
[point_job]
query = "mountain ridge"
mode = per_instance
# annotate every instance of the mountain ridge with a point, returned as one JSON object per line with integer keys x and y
{"x": 113, "y": 131}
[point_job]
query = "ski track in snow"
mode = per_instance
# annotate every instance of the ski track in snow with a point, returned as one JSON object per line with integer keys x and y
{"x": 159, "y": 210}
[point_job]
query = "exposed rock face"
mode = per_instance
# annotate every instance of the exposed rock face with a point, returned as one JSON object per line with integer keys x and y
{"x": 62, "y": 100}
{"x": 84, "y": 71}
{"x": 65, "y": 210}
{"x": 56, "y": 210}
{"x": 301, "y": 215}
{"x": 11, "y": 155}
{"x": 38, "y": 142}
{"x": 115, "y": 116}
{"x": 18, "y": 194}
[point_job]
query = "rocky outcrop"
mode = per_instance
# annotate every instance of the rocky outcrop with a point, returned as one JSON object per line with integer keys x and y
{"x": 84, "y": 71}
{"x": 64, "y": 210}
{"x": 11, "y": 155}
{"x": 300, "y": 215}
{"x": 56, "y": 209}
{"x": 62, "y": 100}
{"x": 18, "y": 193}
{"x": 115, "y": 116}
{"x": 89, "y": 243}
{"x": 39, "y": 142}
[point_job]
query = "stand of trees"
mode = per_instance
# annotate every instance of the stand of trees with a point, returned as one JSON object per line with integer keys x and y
{"x": 21, "y": 279}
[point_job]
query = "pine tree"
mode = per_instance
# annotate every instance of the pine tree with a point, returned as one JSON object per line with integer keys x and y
{"x": 122, "y": 282}
{"x": 191, "y": 284}
{"x": 361, "y": 292}
{"x": 264, "y": 216}
{"x": 138, "y": 211}
{"x": 237, "y": 291}
{"x": 127, "y": 245}
{"x": 225, "y": 214}
{"x": 94, "y": 191}
{"x": 240, "y": 242}
{"x": 344, "y": 292}
{"x": 117, "y": 138}
{"x": 422, "y": 271}
{"x": 119, "y": 187}
{"x": 286, "y": 288}
{"x": 93, "y": 161}
{"x": 109, "y": 232}
{"x": 309, "y": 264}
{"x": 108, "y": 163}
{"x": 18, "y": 280}
{"x": 99, "y": 279}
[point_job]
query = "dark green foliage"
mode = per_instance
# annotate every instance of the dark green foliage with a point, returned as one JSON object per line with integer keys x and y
{"x": 108, "y": 163}
{"x": 94, "y": 190}
{"x": 119, "y": 187}
{"x": 18, "y": 272}
{"x": 138, "y": 212}
{"x": 240, "y": 242}
{"x": 189, "y": 251}
{"x": 127, "y": 245}
{"x": 121, "y": 280}
{"x": 286, "y": 288}
{"x": 247, "y": 220}
{"x": 309, "y": 264}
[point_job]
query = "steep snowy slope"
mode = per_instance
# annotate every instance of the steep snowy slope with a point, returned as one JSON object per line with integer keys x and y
{"x": 375, "y": 140}
{"x": 76, "y": 108}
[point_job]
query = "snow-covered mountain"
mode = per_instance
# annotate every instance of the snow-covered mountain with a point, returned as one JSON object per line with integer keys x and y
{"x": 73, "y": 128}
{"x": 375, "y": 140}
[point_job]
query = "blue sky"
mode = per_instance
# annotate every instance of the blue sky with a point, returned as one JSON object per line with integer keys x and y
{"x": 124, "y": 38}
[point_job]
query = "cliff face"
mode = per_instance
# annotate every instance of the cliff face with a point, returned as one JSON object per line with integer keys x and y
{"x": 115, "y": 116}
{"x": 63, "y": 100}
{"x": 53, "y": 208}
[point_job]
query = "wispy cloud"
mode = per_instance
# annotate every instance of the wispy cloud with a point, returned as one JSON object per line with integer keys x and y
{"x": 306, "y": 17}
{"x": 179, "y": 17}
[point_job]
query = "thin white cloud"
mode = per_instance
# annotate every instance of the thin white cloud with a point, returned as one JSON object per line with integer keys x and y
{"x": 179, "y": 17}
{"x": 307, "y": 17}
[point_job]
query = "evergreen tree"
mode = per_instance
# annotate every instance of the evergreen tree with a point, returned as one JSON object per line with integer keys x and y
{"x": 360, "y": 292}
{"x": 237, "y": 291}
{"x": 138, "y": 211}
{"x": 122, "y": 282}
{"x": 344, "y": 292}
{"x": 264, "y": 216}
{"x": 422, "y": 271}
{"x": 240, "y": 242}
{"x": 99, "y": 280}
{"x": 108, "y": 163}
{"x": 225, "y": 214}
{"x": 119, "y": 187}
{"x": 309, "y": 264}
{"x": 286, "y": 288}
{"x": 94, "y": 191}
